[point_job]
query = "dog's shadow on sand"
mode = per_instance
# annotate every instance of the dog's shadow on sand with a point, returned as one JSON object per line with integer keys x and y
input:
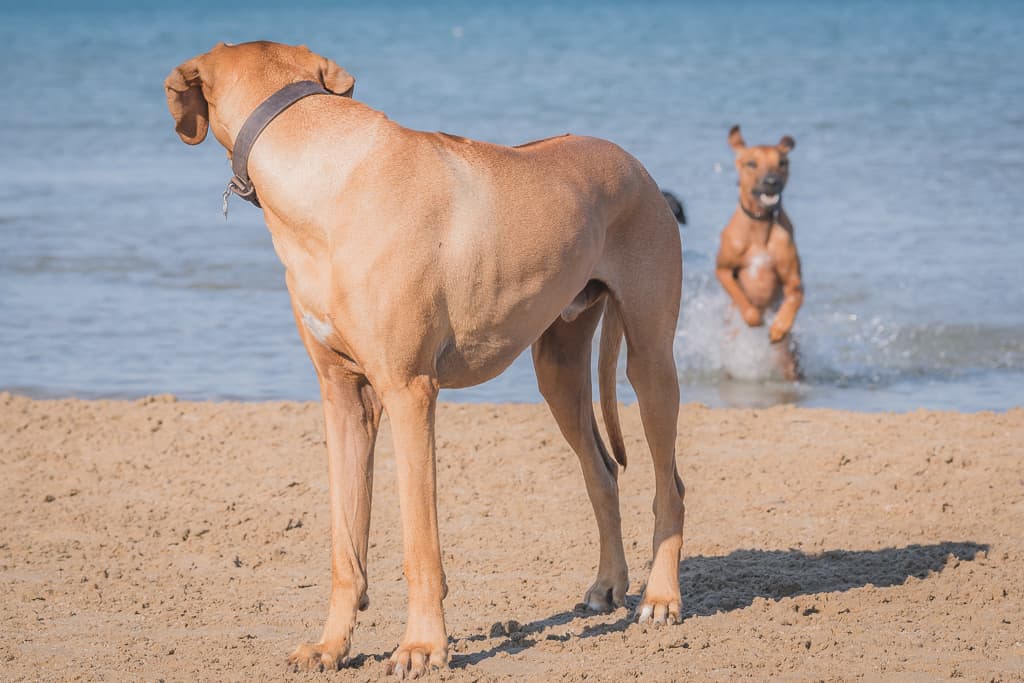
{"x": 721, "y": 584}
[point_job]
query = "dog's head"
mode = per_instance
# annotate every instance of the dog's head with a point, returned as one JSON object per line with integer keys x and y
{"x": 763, "y": 171}
{"x": 219, "y": 89}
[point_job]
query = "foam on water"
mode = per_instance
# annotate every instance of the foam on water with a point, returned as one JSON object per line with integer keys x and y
{"x": 837, "y": 349}
{"x": 713, "y": 342}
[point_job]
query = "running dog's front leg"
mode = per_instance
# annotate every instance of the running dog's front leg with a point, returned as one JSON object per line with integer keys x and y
{"x": 788, "y": 268}
{"x": 411, "y": 409}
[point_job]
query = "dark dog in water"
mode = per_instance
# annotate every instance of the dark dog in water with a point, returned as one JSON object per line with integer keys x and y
{"x": 676, "y": 205}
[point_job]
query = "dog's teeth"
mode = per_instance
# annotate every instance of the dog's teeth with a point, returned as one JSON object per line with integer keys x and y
{"x": 769, "y": 199}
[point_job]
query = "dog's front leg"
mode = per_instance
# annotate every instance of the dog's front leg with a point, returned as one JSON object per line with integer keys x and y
{"x": 351, "y": 417}
{"x": 788, "y": 268}
{"x": 411, "y": 409}
{"x": 726, "y": 275}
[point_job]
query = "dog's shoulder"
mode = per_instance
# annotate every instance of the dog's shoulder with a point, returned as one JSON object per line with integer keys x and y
{"x": 734, "y": 241}
{"x": 782, "y": 231}
{"x": 735, "y": 234}
{"x": 786, "y": 225}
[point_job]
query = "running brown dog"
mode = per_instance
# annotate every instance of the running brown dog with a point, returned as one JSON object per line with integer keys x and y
{"x": 757, "y": 262}
{"x": 417, "y": 261}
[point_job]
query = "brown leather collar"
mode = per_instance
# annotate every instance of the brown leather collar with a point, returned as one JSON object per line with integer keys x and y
{"x": 268, "y": 110}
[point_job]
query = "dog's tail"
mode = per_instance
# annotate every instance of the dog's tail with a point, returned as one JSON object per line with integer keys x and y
{"x": 607, "y": 362}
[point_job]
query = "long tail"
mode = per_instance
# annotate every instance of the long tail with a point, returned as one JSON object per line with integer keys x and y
{"x": 607, "y": 361}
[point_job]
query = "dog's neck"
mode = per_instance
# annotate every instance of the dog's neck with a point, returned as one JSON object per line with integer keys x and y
{"x": 345, "y": 114}
{"x": 234, "y": 106}
{"x": 285, "y": 97}
{"x": 769, "y": 215}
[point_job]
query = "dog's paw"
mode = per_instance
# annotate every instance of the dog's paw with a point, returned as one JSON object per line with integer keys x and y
{"x": 605, "y": 596}
{"x": 319, "y": 656}
{"x": 777, "y": 333}
{"x": 658, "y": 612}
{"x": 414, "y": 661}
{"x": 752, "y": 317}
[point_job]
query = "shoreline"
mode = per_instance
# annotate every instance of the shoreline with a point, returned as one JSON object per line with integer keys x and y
{"x": 761, "y": 397}
{"x": 158, "y": 538}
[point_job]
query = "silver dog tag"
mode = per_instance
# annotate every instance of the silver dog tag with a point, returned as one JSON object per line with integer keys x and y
{"x": 224, "y": 207}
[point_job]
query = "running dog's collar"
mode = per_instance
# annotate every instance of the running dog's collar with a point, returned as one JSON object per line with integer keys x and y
{"x": 771, "y": 214}
{"x": 268, "y": 110}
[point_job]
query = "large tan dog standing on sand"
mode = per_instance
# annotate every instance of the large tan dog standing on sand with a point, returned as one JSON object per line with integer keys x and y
{"x": 417, "y": 261}
{"x": 757, "y": 261}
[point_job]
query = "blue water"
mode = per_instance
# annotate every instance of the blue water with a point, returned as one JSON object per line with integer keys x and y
{"x": 120, "y": 277}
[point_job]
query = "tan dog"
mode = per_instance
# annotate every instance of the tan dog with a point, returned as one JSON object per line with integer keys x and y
{"x": 757, "y": 261}
{"x": 423, "y": 260}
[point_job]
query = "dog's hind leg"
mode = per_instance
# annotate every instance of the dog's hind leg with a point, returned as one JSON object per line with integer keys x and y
{"x": 650, "y": 332}
{"x": 644, "y": 281}
{"x": 562, "y": 360}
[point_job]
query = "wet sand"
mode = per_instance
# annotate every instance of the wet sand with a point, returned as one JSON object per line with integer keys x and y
{"x": 159, "y": 539}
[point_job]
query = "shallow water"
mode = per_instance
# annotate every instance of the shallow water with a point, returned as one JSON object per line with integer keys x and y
{"x": 119, "y": 276}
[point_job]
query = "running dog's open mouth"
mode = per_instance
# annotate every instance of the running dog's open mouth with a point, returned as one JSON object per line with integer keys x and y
{"x": 769, "y": 199}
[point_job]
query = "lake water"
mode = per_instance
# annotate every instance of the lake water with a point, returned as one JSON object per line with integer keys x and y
{"x": 119, "y": 276}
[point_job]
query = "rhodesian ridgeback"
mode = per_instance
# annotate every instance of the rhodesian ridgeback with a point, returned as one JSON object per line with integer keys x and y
{"x": 757, "y": 262}
{"x": 417, "y": 261}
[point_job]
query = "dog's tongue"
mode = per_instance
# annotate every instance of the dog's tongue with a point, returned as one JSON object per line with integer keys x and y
{"x": 769, "y": 199}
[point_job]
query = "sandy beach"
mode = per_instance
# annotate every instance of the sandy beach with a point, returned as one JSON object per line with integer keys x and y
{"x": 159, "y": 539}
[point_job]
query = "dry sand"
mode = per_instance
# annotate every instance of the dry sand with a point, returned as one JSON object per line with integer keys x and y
{"x": 188, "y": 541}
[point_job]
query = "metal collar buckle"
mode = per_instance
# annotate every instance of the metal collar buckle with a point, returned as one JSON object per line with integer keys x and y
{"x": 243, "y": 188}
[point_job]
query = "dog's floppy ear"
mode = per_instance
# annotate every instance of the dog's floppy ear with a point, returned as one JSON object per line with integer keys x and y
{"x": 188, "y": 106}
{"x": 786, "y": 144}
{"x": 735, "y": 139}
{"x": 336, "y": 79}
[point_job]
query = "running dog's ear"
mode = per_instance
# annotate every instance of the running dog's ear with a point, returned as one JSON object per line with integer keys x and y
{"x": 786, "y": 144}
{"x": 184, "y": 88}
{"x": 735, "y": 139}
{"x": 336, "y": 79}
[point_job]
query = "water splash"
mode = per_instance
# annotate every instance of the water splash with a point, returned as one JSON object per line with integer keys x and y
{"x": 838, "y": 345}
{"x": 713, "y": 343}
